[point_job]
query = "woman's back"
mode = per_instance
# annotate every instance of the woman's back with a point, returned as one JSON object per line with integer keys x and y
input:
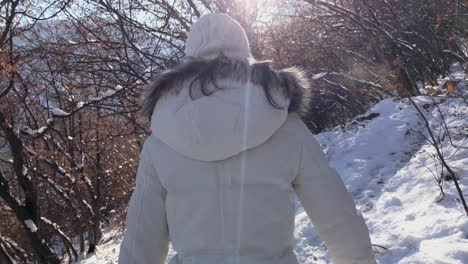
{"x": 239, "y": 207}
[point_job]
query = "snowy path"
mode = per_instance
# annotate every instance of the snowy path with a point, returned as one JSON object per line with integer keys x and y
{"x": 384, "y": 163}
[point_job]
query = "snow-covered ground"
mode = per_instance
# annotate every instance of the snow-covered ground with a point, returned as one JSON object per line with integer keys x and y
{"x": 387, "y": 164}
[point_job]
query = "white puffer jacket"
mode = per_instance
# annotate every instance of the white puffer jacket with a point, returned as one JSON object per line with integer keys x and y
{"x": 219, "y": 175}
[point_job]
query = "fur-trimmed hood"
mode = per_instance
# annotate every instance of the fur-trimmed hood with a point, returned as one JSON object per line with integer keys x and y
{"x": 213, "y": 109}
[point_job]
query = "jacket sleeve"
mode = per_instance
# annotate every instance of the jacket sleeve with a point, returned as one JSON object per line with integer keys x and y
{"x": 146, "y": 239}
{"x": 330, "y": 207}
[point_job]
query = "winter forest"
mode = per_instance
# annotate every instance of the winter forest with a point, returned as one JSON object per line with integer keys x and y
{"x": 389, "y": 108}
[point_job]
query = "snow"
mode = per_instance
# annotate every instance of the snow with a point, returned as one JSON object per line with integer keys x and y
{"x": 59, "y": 112}
{"x": 30, "y": 224}
{"x": 387, "y": 164}
{"x": 104, "y": 94}
{"x": 319, "y": 75}
{"x": 108, "y": 93}
{"x": 107, "y": 252}
{"x": 35, "y": 132}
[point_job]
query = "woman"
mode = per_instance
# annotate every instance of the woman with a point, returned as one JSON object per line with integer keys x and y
{"x": 228, "y": 153}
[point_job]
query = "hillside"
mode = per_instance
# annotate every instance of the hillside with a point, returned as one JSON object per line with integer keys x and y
{"x": 386, "y": 161}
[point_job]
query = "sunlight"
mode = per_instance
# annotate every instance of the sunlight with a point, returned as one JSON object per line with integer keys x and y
{"x": 258, "y": 11}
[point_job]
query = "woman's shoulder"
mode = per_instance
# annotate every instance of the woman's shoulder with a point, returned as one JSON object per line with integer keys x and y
{"x": 294, "y": 128}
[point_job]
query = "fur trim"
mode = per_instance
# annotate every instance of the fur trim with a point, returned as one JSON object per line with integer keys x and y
{"x": 300, "y": 92}
{"x": 205, "y": 74}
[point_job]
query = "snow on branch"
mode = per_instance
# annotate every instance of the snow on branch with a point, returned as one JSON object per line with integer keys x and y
{"x": 319, "y": 76}
{"x": 66, "y": 240}
{"x": 31, "y": 225}
{"x": 35, "y": 132}
{"x": 105, "y": 94}
{"x": 59, "y": 112}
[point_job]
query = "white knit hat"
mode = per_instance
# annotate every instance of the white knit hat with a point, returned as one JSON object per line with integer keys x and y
{"x": 214, "y": 34}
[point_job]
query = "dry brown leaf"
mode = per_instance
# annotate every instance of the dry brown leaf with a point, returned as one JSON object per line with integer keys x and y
{"x": 450, "y": 9}
{"x": 450, "y": 86}
{"x": 430, "y": 90}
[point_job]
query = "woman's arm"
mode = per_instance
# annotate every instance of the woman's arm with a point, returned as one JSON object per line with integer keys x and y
{"x": 331, "y": 208}
{"x": 146, "y": 238}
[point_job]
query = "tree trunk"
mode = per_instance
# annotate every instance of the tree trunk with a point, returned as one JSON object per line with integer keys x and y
{"x": 4, "y": 257}
{"x": 82, "y": 246}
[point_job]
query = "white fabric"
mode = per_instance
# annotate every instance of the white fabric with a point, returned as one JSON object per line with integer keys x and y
{"x": 213, "y": 34}
{"x": 223, "y": 198}
{"x": 218, "y": 126}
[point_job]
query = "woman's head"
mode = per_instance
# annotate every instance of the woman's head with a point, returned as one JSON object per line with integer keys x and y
{"x": 216, "y": 34}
